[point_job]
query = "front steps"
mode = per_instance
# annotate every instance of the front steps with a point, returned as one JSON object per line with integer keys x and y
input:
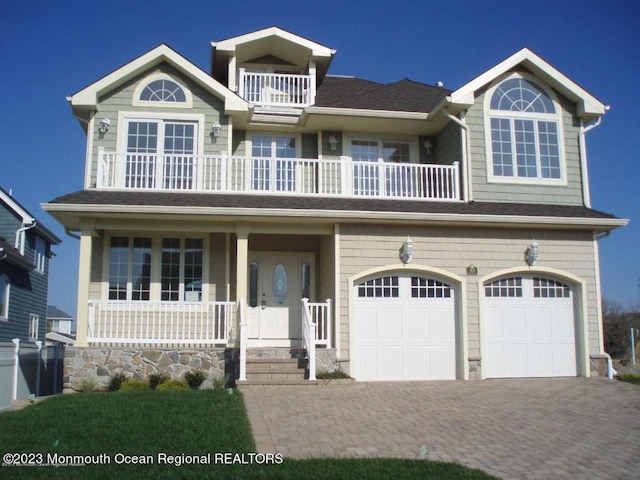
{"x": 275, "y": 368}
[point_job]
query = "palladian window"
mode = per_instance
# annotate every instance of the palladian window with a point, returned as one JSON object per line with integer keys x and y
{"x": 525, "y": 132}
{"x": 163, "y": 90}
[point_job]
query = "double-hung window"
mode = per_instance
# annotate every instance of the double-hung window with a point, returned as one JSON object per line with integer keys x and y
{"x": 525, "y": 133}
{"x": 40, "y": 253}
{"x": 4, "y": 298}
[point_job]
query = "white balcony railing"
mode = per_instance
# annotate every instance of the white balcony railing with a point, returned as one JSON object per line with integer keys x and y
{"x": 276, "y": 89}
{"x": 177, "y": 323}
{"x": 223, "y": 173}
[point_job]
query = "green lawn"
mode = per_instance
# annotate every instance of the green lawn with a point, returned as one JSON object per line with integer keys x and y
{"x": 164, "y": 429}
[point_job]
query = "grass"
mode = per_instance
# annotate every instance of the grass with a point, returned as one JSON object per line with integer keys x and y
{"x": 630, "y": 378}
{"x": 185, "y": 424}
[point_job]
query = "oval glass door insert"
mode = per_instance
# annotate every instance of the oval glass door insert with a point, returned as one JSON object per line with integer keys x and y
{"x": 279, "y": 284}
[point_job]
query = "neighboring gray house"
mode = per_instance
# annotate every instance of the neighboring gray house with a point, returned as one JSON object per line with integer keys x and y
{"x": 59, "y": 321}
{"x": 436, "y": 233}
{"x": 25, "y": 254}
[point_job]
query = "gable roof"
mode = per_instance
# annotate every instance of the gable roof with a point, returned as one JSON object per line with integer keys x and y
{"x": 55, "y": 312}
{"x": 589, "y": 107}
{"x": 87, "y": 98}
{"x": 28, "y": 218}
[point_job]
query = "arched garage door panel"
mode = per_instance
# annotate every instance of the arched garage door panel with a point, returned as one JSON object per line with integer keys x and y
{"x": 529, "y": 328}
{"x": 405, "y": 331}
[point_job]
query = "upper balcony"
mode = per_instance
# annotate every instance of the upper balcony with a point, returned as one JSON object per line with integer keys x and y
{"x": 282, "y": 176}
{"x": 276, "y": 89}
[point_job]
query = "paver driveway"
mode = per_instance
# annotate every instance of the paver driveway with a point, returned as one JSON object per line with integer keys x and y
{"x": 523, "y": 429}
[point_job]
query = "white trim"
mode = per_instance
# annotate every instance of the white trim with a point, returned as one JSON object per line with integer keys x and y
{"x": 488, "y": 114}
{"x": 588, "y": 106}
{"x": 266, "y": 214}
{"x": 89, "y": 96}
{"x": 142, "y": 84}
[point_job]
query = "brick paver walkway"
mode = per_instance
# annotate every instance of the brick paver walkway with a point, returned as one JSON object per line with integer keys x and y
{"x": 521, "y": 429}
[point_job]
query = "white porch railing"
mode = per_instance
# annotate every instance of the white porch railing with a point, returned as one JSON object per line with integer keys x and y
{"x": 276, "y": 89}
{"x": 302, "y": 176}
{"x": 321, "y": 317}
{"x": 128, "y": 322}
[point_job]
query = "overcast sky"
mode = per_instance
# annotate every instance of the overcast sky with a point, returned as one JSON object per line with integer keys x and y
{"x": 50, "y": 50}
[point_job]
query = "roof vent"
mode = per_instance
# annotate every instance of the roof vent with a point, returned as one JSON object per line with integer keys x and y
{"x": 439, "y": 84}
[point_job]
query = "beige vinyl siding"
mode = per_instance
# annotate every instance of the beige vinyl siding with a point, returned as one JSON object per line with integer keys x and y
{"x": 217, "y": 267}
{"x": 121, "y": 99}
{"x": 363, "y": 247}
{"x": 569, "y": 194}
{"x": 448, "y": 145}
{"x": 97, "y": 262}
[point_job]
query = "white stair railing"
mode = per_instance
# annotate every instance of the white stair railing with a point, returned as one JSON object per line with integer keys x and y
{"x": 309, "y": 337}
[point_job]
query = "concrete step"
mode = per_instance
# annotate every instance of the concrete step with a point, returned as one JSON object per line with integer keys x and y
{"x": 275, "y": 383}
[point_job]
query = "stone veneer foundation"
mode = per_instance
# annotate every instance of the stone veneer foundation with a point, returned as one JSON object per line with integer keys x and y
{"x": 103, "y": 362}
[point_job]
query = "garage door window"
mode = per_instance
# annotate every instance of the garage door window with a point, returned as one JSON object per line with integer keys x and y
{"x": 428, "y": 288}
{"x": 505, "y": 287}
{"x": 381, "y": 287}
{"x": 548, "y": 288}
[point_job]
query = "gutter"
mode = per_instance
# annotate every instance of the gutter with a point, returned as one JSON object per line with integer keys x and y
{"x": 20, "y": 235}
{"x": 466, "y": 152}
{"x": 71, "y": 234}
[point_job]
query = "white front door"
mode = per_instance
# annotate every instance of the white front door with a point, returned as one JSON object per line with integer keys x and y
{"x": 275, "y": 299}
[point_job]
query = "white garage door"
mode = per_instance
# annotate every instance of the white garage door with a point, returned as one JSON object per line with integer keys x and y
{"x": 404, "y": 329}
{"x": 529, "y": 328}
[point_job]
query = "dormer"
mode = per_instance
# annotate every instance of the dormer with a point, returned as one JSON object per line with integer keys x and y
{"x": 272, "y": 69}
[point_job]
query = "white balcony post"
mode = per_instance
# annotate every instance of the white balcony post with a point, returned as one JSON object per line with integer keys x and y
{"x": 241, "y": 83}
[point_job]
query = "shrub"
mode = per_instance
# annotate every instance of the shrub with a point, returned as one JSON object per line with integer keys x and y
{"x": 170, "y": 385}
{"x": 336, "y": 374}
{"x": 134, "y": 385}
{"x": 89, "y": 384}
{"x": 115, "y": 381}
{"x": 194, "y": 379}
{"x": 220, "y": 381}
{"x": 156, "y": 379}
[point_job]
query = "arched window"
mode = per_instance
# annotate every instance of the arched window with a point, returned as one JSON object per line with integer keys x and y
{"x": 524, "y": 124}
{"x": 163, "y": 91}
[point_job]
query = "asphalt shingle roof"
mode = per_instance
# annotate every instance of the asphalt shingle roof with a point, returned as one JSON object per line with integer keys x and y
{"x": 403, "y": 96}
{"x": 295, "y": 203}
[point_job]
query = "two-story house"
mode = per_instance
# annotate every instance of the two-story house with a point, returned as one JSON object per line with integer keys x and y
{"x": 401, "y": 231}
{"x": 25, "y": 253}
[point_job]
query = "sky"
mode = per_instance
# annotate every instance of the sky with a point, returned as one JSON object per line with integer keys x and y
{"x": 50, "y": 50}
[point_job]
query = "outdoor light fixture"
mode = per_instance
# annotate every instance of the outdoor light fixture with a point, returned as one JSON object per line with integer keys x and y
{"x": 407, "y": 251}
{"x": 428, "y": 147}
{"x": 215, "y": 130}
{"x": 333, "y": 142}
{"x": 104, "y": 127}
{"x": 532, "y": 254}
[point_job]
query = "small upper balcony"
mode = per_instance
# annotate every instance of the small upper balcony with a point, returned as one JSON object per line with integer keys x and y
{"x": 276, "y": 89}
{"x": 283, "y": 176}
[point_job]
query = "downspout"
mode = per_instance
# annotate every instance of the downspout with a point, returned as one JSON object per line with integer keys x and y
{"x": 601, "y": 236}
{"x": 466, "y": 178}
{"x": 583, "y": 160}
{"x": 20, "y": 235}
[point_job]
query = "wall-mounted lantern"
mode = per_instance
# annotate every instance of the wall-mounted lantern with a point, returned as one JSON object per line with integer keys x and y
{"x": 103, "y": 127}
{"x": 216, "y": 129}
{"x": 406, "y": 253}
{"x": 428, "y": 146}
{"x": 532, "y": 253}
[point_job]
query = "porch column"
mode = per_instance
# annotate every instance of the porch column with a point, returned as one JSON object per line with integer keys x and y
{"x": 242, "y": 260}
{"x": 84, "y": 278}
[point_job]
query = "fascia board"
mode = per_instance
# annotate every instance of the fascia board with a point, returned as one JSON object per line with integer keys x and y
{"x": 230, "y": 44}
{"x": 88, "y": 97}
{"x": 587, "y": 103}
{"x": 27, "y": 218}
{"x": 357, "y": 112}
{"x": 262, "y": 214}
